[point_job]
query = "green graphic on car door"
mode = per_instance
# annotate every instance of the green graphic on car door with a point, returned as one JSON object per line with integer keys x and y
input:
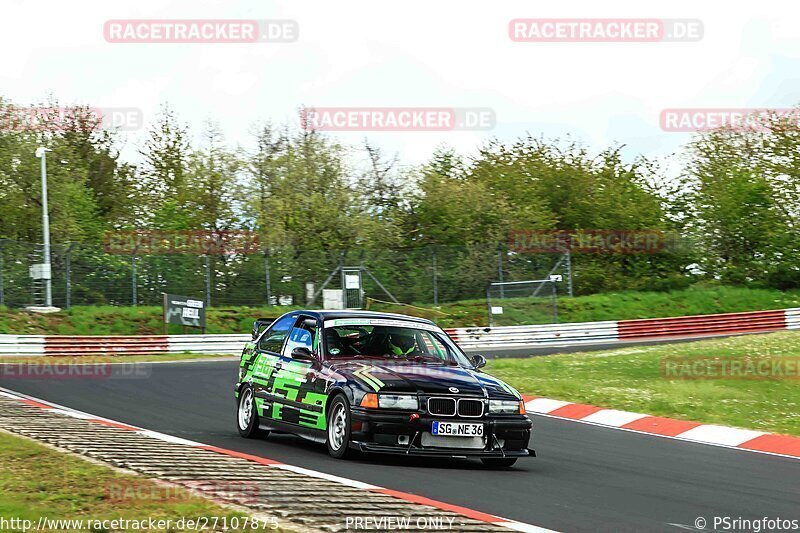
{"x": 263, "y": 377}
{"x": 294, "y": 393}
{"x": 298, "y": 384}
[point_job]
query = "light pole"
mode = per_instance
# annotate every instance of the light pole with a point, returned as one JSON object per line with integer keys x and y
{"x": 48, "y": 294}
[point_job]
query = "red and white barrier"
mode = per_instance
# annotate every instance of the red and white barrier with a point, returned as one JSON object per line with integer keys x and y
{"x": 703, "y": 325}
{"x": 58, "y": 345}
{"x": 793, "y": 318}
{"x": 21, "y": 345}
{"x": 546, "y": 334}
{"x": 571, "y": 334}
{"x": 627, "y": 330}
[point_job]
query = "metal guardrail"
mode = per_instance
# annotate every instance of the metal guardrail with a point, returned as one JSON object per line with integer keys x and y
{"x": 793, "y": 318}
{"x": 520, "y": 336}
{"x": 21, "y": 345}
{"x": 720, "y": 324}
{"x": 229, "y": 344}
{"x": 58, "y": 345}
{"x": 576, "y": 333}
{"x": 112, "y": 345}
{"x": 627, "y": 330}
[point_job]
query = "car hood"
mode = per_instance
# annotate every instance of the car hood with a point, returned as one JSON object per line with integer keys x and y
{"x": 422, "y": 378}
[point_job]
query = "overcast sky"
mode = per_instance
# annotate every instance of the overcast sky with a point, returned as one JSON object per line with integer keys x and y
{"x": 434, "y": 53}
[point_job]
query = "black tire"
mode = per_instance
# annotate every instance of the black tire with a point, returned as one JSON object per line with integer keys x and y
{"x": 338, "y": 427}
{"x": 499, "y": 463}
{"x": 247, "y": 424}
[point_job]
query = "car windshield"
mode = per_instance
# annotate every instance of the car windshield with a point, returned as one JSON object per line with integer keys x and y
{"x": 422, "y": 343}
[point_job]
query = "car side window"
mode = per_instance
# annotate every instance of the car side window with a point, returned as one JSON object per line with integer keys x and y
{"x": 301, "y": 336}
{"x": 272, "y": 339}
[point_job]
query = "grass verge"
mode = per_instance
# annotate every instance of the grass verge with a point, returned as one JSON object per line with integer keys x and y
{"x": 632, "y": 379}
{"x": 38, "y": 481}
{"x": 607, "y": 306}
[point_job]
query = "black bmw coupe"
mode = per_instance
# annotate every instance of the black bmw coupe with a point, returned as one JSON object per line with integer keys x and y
{"x": 376, "y": 382}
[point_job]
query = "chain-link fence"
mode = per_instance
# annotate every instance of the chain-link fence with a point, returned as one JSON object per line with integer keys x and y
{"x": 89, "y": 275}
{"x": 528, "y": 302}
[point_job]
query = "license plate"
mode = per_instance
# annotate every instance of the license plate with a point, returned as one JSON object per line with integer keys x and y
{"x": 455, "y": 429}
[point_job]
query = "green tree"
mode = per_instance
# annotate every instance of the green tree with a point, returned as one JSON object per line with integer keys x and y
{"x": 163, "y": 173}
{"x": 745, "y": 200}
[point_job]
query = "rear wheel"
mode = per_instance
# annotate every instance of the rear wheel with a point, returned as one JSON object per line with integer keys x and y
{"x": 499, "y": 463}
{"x": 247, "y": 415}
{"x": 339, "y": 427}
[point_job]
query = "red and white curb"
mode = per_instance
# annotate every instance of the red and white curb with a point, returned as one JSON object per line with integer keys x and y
{"x": 406, "y": 496}
{"x": 728, "y": 437}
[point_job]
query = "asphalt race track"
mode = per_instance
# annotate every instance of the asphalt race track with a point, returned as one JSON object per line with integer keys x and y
{"x": 586, "y": 478}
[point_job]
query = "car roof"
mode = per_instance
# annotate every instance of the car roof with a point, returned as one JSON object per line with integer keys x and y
{"x": 332, "y": 314}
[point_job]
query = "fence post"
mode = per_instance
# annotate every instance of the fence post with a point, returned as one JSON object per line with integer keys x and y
{"x": 68, "y": 267}
{"x": 500, "y": 268}
{"x": 569, "y": 272}
{"x": 266, "y": 276}
{"x": 208, "y": 281}
{"x": 2, "y": 295}
{"x": 435, "y": 281}
{"x": 555, "y": 303}
{"x": 489, "y": 304}
{"x": 134, "y": 296}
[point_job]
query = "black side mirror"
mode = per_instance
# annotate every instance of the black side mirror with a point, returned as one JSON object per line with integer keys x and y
{"x": 303, "y": 354}
{"x": 479, "y": 361}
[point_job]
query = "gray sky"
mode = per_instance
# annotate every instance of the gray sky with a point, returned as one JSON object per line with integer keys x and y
{"x": 436, "y": 53}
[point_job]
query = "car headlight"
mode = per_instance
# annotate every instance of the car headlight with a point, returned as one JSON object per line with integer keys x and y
{"x": 506, "y": 407}
{"x": 398, "y": 401}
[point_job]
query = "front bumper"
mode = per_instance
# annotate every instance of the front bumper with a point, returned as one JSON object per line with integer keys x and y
{"x": 439, "y": 452}
{"x": 377, "y": 432}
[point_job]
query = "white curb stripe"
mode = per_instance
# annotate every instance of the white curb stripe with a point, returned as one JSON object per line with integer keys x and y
{"x": 75, "y": 414}
{"x": 720, "y": 435}
{"x": 169, "y": 438}
{"x": 612, "y": 417}
{"x": 330, "y": 477}
{"x": 544, "y": 405}
{"x": 525, "y": 528}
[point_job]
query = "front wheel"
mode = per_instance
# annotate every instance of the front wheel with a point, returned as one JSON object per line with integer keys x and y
{"x": 339, "y": 428}
{"x": 499, "y": 463}
{"x": 247, "y": 416}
